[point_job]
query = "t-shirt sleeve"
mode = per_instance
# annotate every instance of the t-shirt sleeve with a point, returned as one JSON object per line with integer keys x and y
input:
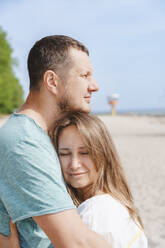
{"x": 34, "y": 182}
{"x": 4, "y": 221}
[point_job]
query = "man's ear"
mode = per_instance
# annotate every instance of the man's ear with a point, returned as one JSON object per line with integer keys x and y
{"x": 50, "y": 79}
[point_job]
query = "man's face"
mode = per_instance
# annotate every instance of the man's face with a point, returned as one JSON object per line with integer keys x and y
{"x": 77, "y": 83}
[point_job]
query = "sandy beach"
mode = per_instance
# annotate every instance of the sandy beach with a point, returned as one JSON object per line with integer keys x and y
{"x": 140, "y": 141}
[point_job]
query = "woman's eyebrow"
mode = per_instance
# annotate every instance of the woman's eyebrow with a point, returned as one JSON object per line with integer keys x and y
{"x": 63, "y": 148}
{"x": 82, "y": 147}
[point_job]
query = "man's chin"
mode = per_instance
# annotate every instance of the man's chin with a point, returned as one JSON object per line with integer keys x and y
{"x": 87, "y": 110}
{"x": 84, "y": 109}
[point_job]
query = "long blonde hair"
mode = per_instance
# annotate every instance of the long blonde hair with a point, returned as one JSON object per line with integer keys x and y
{"x": 97, "y": 139}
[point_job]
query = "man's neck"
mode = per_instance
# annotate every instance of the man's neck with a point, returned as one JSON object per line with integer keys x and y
{"x": 43, "y": 115}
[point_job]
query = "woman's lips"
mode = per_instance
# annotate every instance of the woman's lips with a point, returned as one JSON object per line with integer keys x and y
{"x": 77, "y": 174}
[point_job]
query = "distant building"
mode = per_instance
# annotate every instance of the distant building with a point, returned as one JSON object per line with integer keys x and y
{"x": 113, "y": 100}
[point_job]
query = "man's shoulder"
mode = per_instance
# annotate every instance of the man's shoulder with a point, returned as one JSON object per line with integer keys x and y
{"x": 20, "y": 127}
{"x": 20, "y": 133}
{"x": 14, "y": 125}
{"x": 10, "y": 133}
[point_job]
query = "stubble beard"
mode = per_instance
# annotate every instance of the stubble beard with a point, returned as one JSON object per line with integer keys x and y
{"x": 66, "y": 104}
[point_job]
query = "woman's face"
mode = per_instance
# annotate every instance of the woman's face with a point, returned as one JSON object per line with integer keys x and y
{"x": 78, "y": 168}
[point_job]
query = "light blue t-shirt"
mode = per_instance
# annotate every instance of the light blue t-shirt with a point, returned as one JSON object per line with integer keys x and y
{"x": 31, "y": 182}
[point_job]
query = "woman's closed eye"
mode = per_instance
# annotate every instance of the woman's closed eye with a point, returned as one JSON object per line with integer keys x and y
{"x": 63, "y": 154}
{"x": 84, "y": 153}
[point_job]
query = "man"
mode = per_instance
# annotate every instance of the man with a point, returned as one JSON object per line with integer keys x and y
{"x": 32, "y": 190}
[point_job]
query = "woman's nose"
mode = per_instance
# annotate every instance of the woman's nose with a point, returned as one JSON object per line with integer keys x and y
{"x": 75, "y": 162}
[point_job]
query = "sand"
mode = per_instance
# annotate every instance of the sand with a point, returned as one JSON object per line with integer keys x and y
{"x": 140, "y": 141}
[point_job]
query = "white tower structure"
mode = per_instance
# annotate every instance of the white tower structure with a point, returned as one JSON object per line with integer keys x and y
{"x": 113, "y": 100}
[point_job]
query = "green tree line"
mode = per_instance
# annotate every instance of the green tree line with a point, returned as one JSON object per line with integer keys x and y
{"x": 11, "y": 93}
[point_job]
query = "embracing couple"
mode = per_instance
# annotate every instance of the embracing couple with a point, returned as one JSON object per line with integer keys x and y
{"x": 93, "y": 207}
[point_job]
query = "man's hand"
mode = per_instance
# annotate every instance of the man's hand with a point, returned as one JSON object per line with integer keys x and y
{"x": 11, "y": 241}
{"x": 13, "y": 238}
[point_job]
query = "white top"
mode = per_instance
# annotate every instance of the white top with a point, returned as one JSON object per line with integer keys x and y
{"x": 107, "y": 216}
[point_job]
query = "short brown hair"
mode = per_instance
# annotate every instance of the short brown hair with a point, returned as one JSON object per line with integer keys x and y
{"x": 50, "y": 53}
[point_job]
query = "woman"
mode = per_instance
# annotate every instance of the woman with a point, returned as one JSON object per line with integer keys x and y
{"x": 96, "y": 181}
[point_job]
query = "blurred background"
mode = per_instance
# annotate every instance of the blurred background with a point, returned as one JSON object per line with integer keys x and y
{"x": 125, "y": 38}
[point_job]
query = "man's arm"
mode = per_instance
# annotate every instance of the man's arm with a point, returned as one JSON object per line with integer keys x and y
{"x": 66, "y": 229}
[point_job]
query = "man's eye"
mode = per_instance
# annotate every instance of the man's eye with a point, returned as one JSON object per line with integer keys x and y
{"x": 85, "y": 75}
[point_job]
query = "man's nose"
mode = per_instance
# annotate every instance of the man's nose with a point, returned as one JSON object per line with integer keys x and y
{"x": 93, "y": 86}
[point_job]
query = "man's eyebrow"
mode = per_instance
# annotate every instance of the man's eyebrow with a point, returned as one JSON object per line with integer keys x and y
{"x": 90, "y": 69}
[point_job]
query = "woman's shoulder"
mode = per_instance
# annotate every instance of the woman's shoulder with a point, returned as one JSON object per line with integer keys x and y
{"x": 104, "y": 204}
{"x": 107, "y": 216}
{"x": 104, "y": 212}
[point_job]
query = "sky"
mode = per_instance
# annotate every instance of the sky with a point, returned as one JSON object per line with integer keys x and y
{"x": 125, "y": 38}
